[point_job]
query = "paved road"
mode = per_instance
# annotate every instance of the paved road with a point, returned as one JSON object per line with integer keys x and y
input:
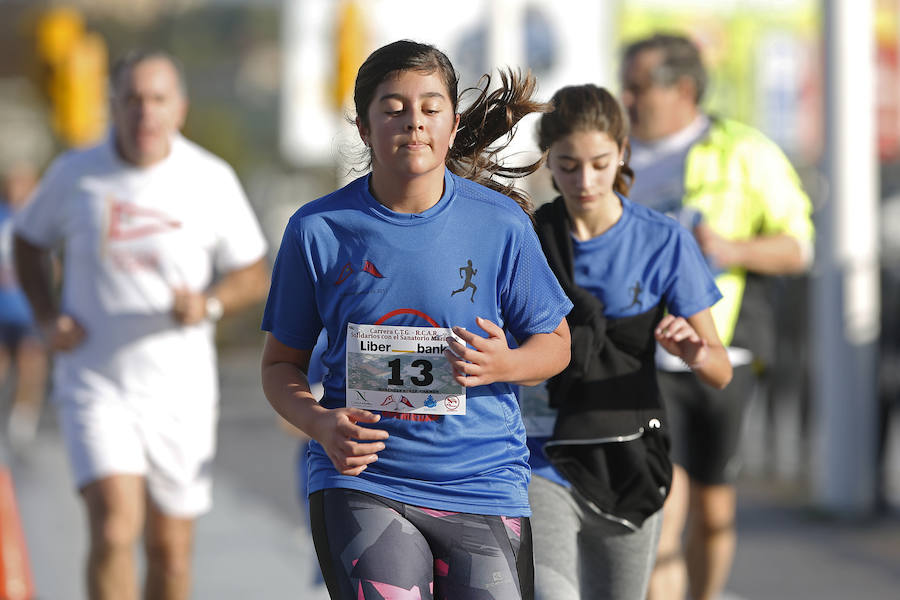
{"x": 254, "y": 544}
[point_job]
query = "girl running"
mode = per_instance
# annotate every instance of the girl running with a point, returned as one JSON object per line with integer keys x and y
{"x": 602, "y": 470}
{"x": 417, "y": 491}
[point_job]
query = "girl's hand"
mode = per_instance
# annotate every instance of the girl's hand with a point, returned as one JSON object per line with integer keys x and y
{"x": 350, "y": 447}
{"x": 677, "y": 336}
{"x": 490, "y": 359}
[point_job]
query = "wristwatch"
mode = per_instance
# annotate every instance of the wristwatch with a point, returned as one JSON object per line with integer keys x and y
{"x": 214, "y": 308}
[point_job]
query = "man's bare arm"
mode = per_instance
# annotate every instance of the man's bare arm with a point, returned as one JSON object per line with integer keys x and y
{"x": 35, "y": 271}
{"x": 236, "y": 290}
{"x": 779, "y": 254}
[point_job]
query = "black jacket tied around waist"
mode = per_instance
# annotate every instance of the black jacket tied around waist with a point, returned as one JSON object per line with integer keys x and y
{"x": 609, "y": 440}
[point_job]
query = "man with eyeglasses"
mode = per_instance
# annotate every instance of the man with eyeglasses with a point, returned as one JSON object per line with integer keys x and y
{"x": 738, "y": 193}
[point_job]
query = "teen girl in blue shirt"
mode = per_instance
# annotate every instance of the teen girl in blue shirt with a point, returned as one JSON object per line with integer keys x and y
{"x": 602, "y": 471}
{"x": 410, "y": 505}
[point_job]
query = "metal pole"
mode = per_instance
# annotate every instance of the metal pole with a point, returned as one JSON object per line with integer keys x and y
{"x": 846, "y": 311}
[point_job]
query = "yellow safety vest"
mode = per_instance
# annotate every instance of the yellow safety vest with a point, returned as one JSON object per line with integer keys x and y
{"x": 744, "y": 186}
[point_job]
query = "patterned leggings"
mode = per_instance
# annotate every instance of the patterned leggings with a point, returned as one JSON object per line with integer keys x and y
{"x": 373, "y": 548}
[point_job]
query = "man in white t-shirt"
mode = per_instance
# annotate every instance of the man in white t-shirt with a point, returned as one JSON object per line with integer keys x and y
{"x": 158, "y": 241}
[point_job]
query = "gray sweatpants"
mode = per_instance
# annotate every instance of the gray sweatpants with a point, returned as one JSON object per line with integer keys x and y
{"x": 579, "y": 555}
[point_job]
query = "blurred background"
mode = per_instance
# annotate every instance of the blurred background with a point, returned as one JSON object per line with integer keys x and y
{"x": 270, "y": 84}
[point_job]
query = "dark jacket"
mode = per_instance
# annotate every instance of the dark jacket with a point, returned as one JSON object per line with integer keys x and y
{"x": 609, "y": 440}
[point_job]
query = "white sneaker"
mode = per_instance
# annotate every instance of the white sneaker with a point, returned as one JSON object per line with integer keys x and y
{"x": 22, "y": 426}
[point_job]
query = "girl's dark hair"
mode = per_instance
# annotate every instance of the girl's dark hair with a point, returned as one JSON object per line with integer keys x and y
{"x": 491, "y": 116}
{"x": 588, "y": 108}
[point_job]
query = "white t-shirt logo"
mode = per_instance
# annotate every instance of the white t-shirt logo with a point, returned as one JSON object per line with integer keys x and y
{"x": 126, "y": 235}
{"x": 129, "y": 221}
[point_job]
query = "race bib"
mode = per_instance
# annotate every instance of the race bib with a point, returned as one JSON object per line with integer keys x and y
{"x": 402, "y": 369}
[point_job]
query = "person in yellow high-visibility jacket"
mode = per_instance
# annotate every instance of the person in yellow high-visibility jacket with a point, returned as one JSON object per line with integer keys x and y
{"x": 744, "y": 202}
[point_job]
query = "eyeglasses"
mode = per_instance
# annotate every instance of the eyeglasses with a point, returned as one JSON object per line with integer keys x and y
{"x": 639, "y": 88}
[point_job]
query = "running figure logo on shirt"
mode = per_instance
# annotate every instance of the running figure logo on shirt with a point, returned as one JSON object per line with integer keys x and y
{"x": 636, "y": 290}
{"x": 468, "y": 272}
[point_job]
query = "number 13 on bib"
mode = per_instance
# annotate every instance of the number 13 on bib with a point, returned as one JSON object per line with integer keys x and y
{"x": 402, "y": 369}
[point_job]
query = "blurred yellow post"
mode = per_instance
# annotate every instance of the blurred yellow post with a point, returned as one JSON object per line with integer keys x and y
{"x": 350, "y": 48}
{"x": 57, "y": 32}
{"x": 75, "y": 66}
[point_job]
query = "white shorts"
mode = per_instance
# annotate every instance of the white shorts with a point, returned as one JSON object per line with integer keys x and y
{"x": 173, "y": 452}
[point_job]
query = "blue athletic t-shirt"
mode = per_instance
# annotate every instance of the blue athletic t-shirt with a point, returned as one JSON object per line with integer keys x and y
{"x": 643, "y": 258}
{"x": 345, "y": 258}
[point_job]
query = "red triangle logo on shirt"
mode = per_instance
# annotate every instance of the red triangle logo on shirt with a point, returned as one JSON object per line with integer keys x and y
{"x": 371, "y": 270}
{"x": 345, "y": 273}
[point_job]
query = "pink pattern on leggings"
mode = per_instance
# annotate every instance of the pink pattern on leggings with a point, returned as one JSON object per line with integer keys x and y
{"x": 514, "y": 524}
{"x": 392, "y": 592}
{"x": 441, "y": 568}
{"x": 437, "y": 513}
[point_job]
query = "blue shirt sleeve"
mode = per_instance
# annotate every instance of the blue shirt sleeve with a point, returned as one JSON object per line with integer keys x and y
{"x": 291, "y": 314}
{"x": 692, "y": 287}
{"x": 534, "y": 301}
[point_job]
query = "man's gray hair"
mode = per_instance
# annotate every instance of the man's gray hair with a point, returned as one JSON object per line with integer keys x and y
{"x": 680, "y": 58}
{"x": 134, "y": 57}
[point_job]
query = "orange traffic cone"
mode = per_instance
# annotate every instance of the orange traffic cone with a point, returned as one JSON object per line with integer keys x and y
{"x": 16, "y": 582}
